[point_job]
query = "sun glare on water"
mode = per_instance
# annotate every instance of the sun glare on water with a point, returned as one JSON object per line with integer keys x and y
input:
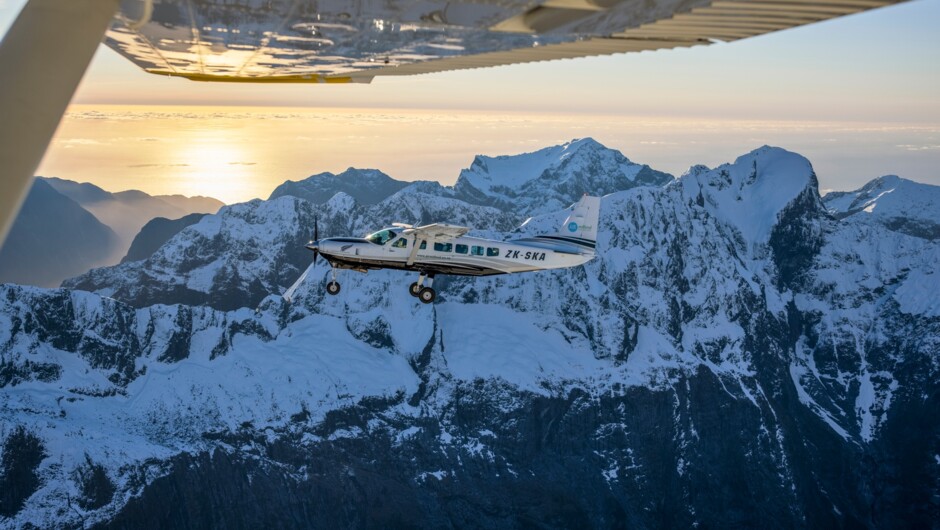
{"x": 212, "y": 164}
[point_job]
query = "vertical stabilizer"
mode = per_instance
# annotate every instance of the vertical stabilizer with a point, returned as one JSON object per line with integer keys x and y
{"x": 580, "y": 228}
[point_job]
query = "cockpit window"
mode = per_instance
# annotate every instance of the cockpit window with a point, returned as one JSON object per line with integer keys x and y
{"x": 381, "y": 237}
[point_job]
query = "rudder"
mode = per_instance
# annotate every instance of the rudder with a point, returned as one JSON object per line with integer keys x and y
{"x": 580, "y": 227}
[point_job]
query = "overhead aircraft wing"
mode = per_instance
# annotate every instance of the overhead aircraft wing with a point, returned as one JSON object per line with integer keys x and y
{"x": 437, "y": 231}
{"x": 339, "y": 41}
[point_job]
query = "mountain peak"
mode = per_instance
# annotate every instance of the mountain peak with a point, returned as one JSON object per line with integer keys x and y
{"x": 899, "y": 204}
{"x": 587, "y": 142}
{"x": 80, "y": 192}
{"x": 751, "y": 192}
{"x": 366, "y": 186}
{"x": 887, "y": 180}
{"x": 341, "y": 201}
{"x": 553, "y": 177}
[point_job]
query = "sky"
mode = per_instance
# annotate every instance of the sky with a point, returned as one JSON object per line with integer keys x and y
{"x": 857, "y": 95}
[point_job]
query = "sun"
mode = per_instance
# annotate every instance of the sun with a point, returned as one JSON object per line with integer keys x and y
{"x": 216, "y": 164}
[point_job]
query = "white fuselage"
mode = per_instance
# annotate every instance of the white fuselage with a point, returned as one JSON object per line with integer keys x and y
{"x": 461, "y": 255}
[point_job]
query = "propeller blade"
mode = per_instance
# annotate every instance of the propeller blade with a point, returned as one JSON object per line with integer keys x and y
{"x": 316, "y": 230}
{"x": 289, "y": 293}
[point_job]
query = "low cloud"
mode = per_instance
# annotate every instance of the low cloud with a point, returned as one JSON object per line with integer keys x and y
{"x": 72, "y": 142}
{"x": 915, "y": 147}
{"x": 157, "y": 165}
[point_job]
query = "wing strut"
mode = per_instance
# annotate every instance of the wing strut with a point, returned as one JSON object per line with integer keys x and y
{"x": 414, "y": 250}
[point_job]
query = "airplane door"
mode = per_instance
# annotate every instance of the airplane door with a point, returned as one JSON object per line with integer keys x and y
{"x": 399, "y": 246}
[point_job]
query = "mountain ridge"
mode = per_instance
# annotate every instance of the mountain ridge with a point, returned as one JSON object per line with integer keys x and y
{"x": 707, "y": 337}
{"x": 53, "y": 238}
{"x": 126, "y": 212}
{"x": 899, "y": 204}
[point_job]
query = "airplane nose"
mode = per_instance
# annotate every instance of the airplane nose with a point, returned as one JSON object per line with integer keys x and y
{"x": 313, "y": 245}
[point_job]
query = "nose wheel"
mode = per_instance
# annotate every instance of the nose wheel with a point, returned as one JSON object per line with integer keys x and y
{"x": 332, "y": 287}
{"x": 423, "y": 292}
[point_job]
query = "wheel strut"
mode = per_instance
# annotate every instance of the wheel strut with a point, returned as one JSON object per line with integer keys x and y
{"x": 333, "y": 287}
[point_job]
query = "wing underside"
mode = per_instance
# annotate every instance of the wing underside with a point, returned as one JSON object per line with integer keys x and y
{"x": 437, "y": 232}
{"x": 336, "y": 41}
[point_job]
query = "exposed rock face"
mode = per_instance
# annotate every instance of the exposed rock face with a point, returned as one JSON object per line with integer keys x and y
{"x": 23, "y": 451}
{"x": 156, "y": 233}
{"x": 734, "y": 355}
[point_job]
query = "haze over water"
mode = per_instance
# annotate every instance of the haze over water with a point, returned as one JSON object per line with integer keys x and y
{"x": 236, "y": 154}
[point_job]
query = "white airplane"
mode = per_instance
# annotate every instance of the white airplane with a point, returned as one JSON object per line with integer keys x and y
{"x": 445, "y": 249}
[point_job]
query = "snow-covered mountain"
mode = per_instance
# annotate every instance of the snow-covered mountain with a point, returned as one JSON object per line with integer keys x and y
{"x": 366, "y": 186}
{"x": 735, "y": 355}
{"x": 547, "y": 179}
{"x": 899, "y": 204}
{"x": 250, "y": 250}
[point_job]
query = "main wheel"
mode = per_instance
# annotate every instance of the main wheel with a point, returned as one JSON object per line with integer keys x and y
{"x": 426, "y": 295}
{"x": 332, "y": 288}
{"x": 414, "y": 289}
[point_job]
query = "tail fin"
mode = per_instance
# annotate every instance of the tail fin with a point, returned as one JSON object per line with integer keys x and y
{"x": 580, "y": 227}
{"x": 582, "y": 222}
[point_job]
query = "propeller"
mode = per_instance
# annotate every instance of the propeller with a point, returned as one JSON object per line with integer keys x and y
{"x": 314, "y": 246}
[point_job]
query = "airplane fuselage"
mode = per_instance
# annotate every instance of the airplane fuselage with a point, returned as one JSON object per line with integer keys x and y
{"x": 469, "y": 256}
{"x": 441, "y": 248}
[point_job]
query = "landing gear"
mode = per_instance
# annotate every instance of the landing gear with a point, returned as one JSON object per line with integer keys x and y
{"x": 425, "y": 293}
{"x": 333, "y": 287}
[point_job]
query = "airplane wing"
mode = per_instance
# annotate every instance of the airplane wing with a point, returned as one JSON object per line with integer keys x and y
{"x": 342, "y": 41}
{"x": 434, "y": 233}
{"x": 337, "y": 41}
{"x": 437, "y": 231}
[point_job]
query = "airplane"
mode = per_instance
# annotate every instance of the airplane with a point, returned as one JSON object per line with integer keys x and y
{"x": 442, "y": 248}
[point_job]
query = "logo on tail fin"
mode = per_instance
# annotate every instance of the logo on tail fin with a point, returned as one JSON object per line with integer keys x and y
{"x": 572, "y": 226}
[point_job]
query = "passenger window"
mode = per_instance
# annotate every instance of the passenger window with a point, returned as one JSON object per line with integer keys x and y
{"x": 490, "y": 251}
{"x": 461, "y": 249}
{"x": 401, "y": 243}
{"x": 476, "y": 251}
{"x": 424, "y": 245}
{"x": 443, "y": 247}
